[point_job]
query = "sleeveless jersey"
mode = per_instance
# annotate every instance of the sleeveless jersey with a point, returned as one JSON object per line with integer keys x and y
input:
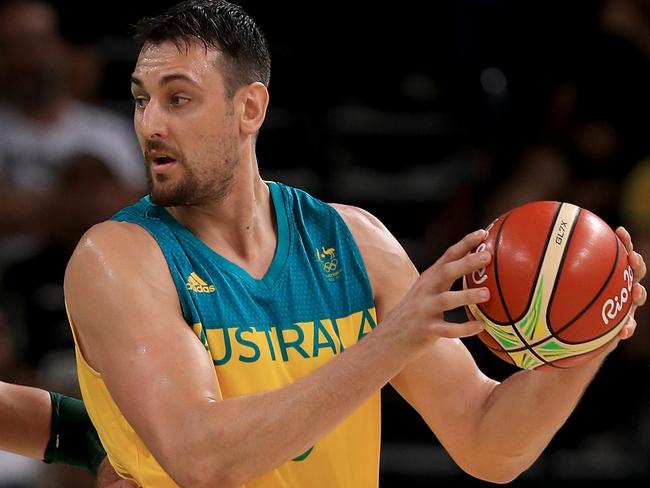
{"x": 314, "y": 301}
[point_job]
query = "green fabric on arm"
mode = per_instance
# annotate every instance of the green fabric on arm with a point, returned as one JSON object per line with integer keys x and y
{"x": 73, "y": 439}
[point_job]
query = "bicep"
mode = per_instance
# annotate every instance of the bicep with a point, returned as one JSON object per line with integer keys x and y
{"x": 130, "y": 328}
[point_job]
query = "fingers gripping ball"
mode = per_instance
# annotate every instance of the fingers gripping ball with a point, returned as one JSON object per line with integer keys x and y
{"x": 560, "y": 283}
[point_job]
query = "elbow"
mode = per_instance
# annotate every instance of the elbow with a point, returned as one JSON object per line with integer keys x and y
{"x": 500, "y": 478}
{"x": 199, "y": 474}
{"x": 192, "y": 463}
{"x": 222, "y": 481}
{"x": 496, "y": 470}
{"x": 194, "y": 469}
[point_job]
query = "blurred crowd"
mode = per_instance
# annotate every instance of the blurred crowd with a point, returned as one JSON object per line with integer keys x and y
{"x": 491, "y": 104}
{"x": 66, "y": 163}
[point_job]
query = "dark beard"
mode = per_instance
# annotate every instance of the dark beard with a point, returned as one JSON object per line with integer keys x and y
{"x": 190, "y": 192}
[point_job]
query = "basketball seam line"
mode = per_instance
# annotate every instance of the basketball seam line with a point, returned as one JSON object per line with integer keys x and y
{"x": 591, "y": 302}
{"x": 537, "y": 272}
{"x": 498, "y": 283}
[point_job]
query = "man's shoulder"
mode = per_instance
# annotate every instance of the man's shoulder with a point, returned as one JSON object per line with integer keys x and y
{"x": 112, "y": 245}
{"x": 363, "y": 225}
{"x": 110, "y": 232}
{"x": 387, "y": 263}
{"x": 374, "y": 240}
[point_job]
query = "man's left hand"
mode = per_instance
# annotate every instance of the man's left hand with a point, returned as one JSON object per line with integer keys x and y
{"x": 639, "y": 293}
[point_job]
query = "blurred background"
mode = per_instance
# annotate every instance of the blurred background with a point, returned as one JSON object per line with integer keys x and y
{"x": 436, "y": 118}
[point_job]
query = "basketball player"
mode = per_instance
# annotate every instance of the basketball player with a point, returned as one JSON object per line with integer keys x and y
{"x": 48, "y": 426}
{"x": 233, "y": 331}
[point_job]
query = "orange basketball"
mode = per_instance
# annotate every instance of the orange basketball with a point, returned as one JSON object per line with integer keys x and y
{"x": 560, "y": 283}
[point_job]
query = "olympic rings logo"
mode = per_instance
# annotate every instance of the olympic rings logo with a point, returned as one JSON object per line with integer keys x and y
{"x": 330, "y": 266}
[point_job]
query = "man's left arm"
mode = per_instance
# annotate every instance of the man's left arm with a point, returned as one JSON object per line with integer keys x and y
{"x": 469, "y": 420}
{"x": 465, "y": 409}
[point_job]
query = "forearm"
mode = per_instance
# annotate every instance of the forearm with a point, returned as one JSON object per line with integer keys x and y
{"x": 257, "y": 433}
{"x": 524, "y": 412}
{"x": 24, "y": 420}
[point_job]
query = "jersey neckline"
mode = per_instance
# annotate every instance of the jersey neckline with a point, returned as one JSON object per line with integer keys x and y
{"x": 281, "y": 249}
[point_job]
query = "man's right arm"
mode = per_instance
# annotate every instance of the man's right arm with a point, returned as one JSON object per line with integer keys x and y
{"x": 127, "y": 317}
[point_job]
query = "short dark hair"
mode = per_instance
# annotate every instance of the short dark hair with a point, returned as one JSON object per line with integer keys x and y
{"x": 218, "y": 24}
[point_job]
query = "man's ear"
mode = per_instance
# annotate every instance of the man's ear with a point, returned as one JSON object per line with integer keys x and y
{"x": 254, "y": 100}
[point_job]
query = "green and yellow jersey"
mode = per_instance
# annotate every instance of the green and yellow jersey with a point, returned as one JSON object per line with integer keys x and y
{"x": 261, "y": 334}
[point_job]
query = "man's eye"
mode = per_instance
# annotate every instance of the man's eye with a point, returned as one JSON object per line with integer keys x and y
{"x": 140, "y": 102}
{"x": 178, "y": 100}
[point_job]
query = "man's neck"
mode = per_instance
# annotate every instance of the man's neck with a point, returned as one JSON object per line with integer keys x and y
{"x": 241, "y": 228}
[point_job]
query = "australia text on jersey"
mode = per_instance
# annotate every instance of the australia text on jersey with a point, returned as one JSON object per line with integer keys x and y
{"x": 300, "y": 340}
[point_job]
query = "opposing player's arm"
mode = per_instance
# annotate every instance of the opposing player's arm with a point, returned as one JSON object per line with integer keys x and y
{"x": 126, "y": 313}
{"x": 24, "y": 420}
{"x": 54, "y": 428}
{"x": 463, "y": 407}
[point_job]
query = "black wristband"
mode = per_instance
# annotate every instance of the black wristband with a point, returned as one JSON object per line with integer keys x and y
{"x": 73, "y": 439}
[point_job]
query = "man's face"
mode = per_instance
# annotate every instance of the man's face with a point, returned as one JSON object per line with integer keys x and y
{"x": 185, "y": 124}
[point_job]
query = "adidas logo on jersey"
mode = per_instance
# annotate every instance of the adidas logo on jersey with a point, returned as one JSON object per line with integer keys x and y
{"x": 196, "y": 284}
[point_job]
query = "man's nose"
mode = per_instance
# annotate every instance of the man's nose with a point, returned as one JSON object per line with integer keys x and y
{"x": 154, "y": 121}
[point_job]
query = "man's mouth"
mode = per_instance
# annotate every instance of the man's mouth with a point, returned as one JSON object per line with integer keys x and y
{"x": 161, "y": 162}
